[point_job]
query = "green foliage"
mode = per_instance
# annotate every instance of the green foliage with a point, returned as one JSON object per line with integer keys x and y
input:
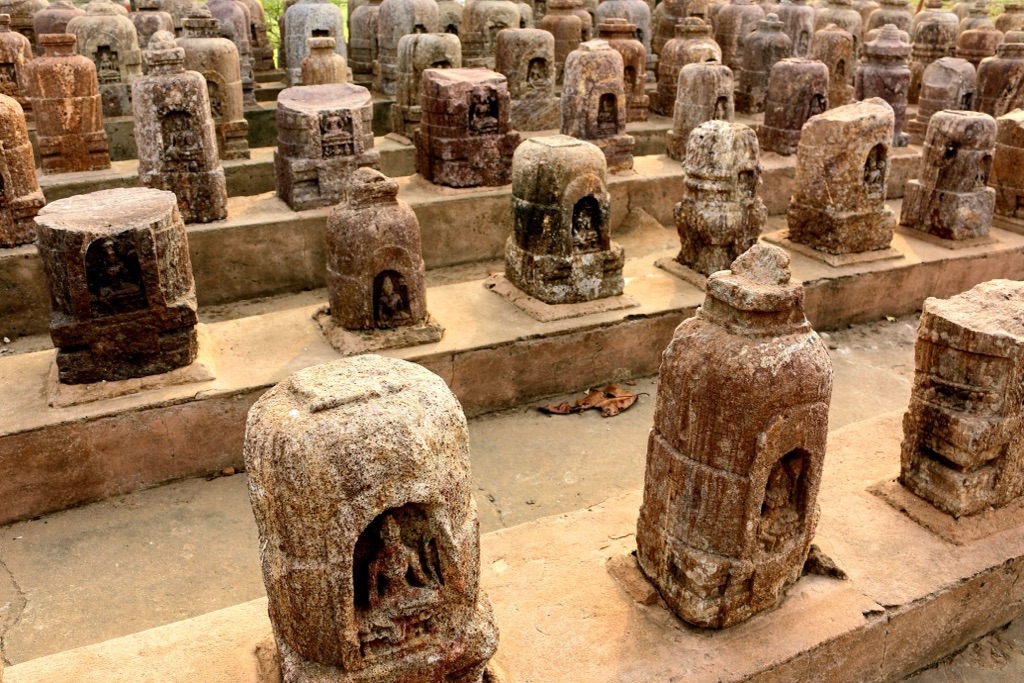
{"x": 275, "y": 8}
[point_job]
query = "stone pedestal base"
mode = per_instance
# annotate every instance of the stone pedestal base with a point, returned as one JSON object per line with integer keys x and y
{"x": 233, "y": 139}
{"x": 781, "y": 237}
{"x": 618, "y": 151}
{"x": 683, "y": 272}
{"x": 636, "y": 109}
{"x": 546, "y": 313}
{"x": 565, "y": 279}
{"x": 72, "y": 153}
{"x": 471, "y": 161}
{"x": 353, "y": 342}
{"x": 841, "y": 232}
{"x": 968, "y": 243}
{"x": 949, "y": 215}
{"x": 781, "y": 141}
{"x": 541, "y": 113}
{"x": 311, "y": 183}
{"x": 202, "y": 369}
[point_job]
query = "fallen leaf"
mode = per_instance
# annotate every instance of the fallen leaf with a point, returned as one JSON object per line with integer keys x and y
{"x": 611, "y": 401}
{"x": 614, "y": 406}
{"x": 563, "y": 408}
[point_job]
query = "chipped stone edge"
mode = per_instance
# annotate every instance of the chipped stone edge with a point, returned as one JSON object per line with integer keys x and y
{"x": 781, "y": 238}
{"x": 546, "y": 313}
{"x": 954, "y": 245}
{"x": 684, "y": 273}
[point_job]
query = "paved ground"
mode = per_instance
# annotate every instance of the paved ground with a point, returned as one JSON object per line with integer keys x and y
{"x": 169, "y": 553}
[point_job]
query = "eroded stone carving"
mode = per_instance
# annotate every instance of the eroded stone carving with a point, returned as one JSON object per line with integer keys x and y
{"x": 977, "y": 44}
{"x": 720, "y": 215}
{"x": 637, "y": 13}
{"x": 667, "y": 15}
{"x": 22, "y": 13}
{"x": 359, "y": 474}
{"x": 730, "y": 490}
{"x": 311, "y": 19}
{"x": 834, "y": 47}
{"x": 692, "y": 43}
{"x": 20, "y": 196}
{"x": 895, "y": 12}
{"x": 175, "y": 135}
{"x": 560, "y": 250}
{"x": 15, "y": 53}
{"x": 68, "y": 109}
{"x": 148, "y": 19}
{"x": 216, "y": 58}
{"x": 107, "y": 36}
{"x": 363, "y": 51}
{"x": 884, "y": 73}
{"x": 323, "y": 64}
{"x": 465, "y": 138}
{"x": 594, "y": 102}
{"x": 842, "y": 14}
{"x": 527, "y": 59}
{"x": 948, "y": 83}
{"x": 397, "y": 18}
{"x": 951, "y": 198}
{"x": 565, "y": 25}
{"x": 761, "y": 49}
{"x": 122, "y": 298}
{"x": 620, "y": 36}
{"x": 933, "y": 36}
{"x": 1001, "y": 80}
{"x": 418, "y": 52}
{"x": 797, "y": 19}
{"x": 733, "y": 23}
{"x": 977, "y": 17}
{"x": 1006, "y": 178}
{"x": 962, "y": 431}
{"x": 797, "y": 90}
{"x": 481, "y": 22}
{"x": 838, "y": 204}
{"x": 704, "y": 93}
{"x": 324, "y": 134}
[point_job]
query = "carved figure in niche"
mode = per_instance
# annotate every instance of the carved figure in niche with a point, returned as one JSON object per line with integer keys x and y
{"x": 483, "y": 111}
{"x": 962, "y": 436}
{"x": 8, "y": 80}
{"x": 107, "y": 69}
{"x": 730, "y": 489}
{"x": 399, "y": 551}
{"x": 607, "y": 123}
{"x": 527, "y": 59}
{"x": 586, "y": 217}
{"x": 114, "y": 278}
{"x": 537, "y": 74}
{"x": 392, "y": 300}
{"x": 216, "y": 105}
{"x": 182, "y": 153}
{"x": 336, "y": 133}
{"x": 876, "y": 169}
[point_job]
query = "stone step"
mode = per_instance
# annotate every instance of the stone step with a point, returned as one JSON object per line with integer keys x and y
{"x": 492, "y": 355}
{"x": 264, "y": 248}
{"x": 570, "y": 605}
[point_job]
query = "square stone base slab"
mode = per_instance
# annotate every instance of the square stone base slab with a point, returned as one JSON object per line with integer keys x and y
{"x": 352, "y": 342}
{"x": 781, "y": 238}
{"x": 945, "y": 243}
{"x": 684, "y": 273}
{"x": 565, "y": 617}
{"x": 1015, "y": 225}
{"x": 546, "y": 313}
{"x": 960, "y": 531}
{"x": 202, "y": 369}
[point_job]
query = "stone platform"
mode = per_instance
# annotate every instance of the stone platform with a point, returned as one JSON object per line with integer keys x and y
{"x": 492, "y": 355}
{"x": 910, "y": 599}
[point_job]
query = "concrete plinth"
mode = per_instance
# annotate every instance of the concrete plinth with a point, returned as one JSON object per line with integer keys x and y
{"x": 911, "y": 598}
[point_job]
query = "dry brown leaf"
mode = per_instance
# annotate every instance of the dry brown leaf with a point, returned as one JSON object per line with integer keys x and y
{"x": 614, "y": 406}
{"x": 611, "y": 401}
{"x": 563, "y": 408}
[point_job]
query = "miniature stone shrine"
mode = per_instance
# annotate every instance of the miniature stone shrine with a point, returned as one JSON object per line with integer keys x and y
{"x": 54, "y": 18}
{"x": 883, "y": 73}
{"x": 933, "y": 36}
{"x": 720, "y": 215}
{"x": 323, "y": 64}
{"x": 797, "y": 90}
{"x": 705, "y": 93}
{"x": 123, "y": 302}
{"x": 233, "y": 19}
{"x": 637, "y": 13}
{"x": 107, "y": 37}
{"x": 22, "y": 13}
{"x": 895, "y": 12}
{"x": 619, "y": 34}
{"x": 527, "y": 59}
{"x": 666, "y": 16}
{"x": 465, "y": 138}
{"x": 834, "y": 47}
{"x": 1012, "y": 18}
{"x": 324, "y": 134}
{"x": 761, "y": 49}
{"x": 838, "y": 203}
{"x": 386, "y": 534}
{"x": 15, "y": 54}
{"x": 560, "y": 250}
{"x": 282, "y": 47}
{"x": 68, "y": 108}
{"x": 397, "y": 18}
{"x": 567, "y": 28}
{"x": 842, "y": 14}
{"x": 217, "y": 59}
{"x": 977, "y": 44}
{"x": 977, "y": 17}
{"x": 148, "y": 19}
{"x": 961, "y": 433}
{"x": 594, "y": 102}
{"x": 179, "y": 9}
{"x": 948, "y": 83}
{"x": 175, "y": 135}
{"x": 310, "y": 19}
{"x": 363, "y": 50}
{"x": 950, "y": 197}
{"x": 449, "y": 17}
{"x": 1001, "y": 81}
{"x": 376, "y": 280}
{"x": 1006, "y": 178}
{"x": 585, "y": 10}
{"x": 797, "y": 19}
{"x": 692, "y": 43}
{"x": 259, "y": 43}
{"x": 730, "y": 490}
{"x": 733, "y": 23}
{"x": 481, "y": 22}
{"x": 418, "y": 52}
{"x": 20, "y": 196}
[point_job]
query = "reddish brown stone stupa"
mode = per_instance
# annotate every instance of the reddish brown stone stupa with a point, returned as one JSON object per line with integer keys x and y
{"x": 20, "y": 196}
{"x": 15, "y": 53}
{"x": 1001, "y": 81}
{"x": 884, "y": 73}
{"x": 465, "y": 138}
{"x": 797, "y": 90}
{"x": 963, "y": 444}
{"x": 122, "y": 298}
{"x": 1007, "y": 179}
{"x": 527, "y": 58}
{"x": 620, "y": 36}
{"x": 733, "y": 471}
{"x": 834, "y": 47}
{"x": 691, "y": 44}
{"x": 66, "y": 99}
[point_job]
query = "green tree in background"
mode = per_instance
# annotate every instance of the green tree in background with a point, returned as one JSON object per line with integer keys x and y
{"x": 275, "y": 8}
